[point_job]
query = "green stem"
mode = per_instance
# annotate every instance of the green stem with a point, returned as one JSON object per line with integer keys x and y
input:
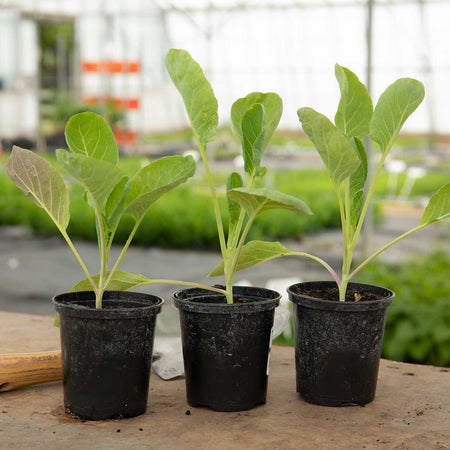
{"x": 370, "y": 192}
{"x": 234, "y": 249}
{"x": 103, "y": 257}
{"x": 344, "y": 222}
{"x": 78, "y": 257}
{"x": 187, "y": 283}
{"x": 212, "y": 189}
{"x": 323, "y": 263}
{"x": 236, "y": 253}
{"x": 347, "y": 241}
{"x": 381, "y": 250}
{"x": 124, "y": 250}
{"x": 234, "y": 235}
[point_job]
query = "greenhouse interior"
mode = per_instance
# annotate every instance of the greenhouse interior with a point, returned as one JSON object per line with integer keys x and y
{"x": 230, "y": 148}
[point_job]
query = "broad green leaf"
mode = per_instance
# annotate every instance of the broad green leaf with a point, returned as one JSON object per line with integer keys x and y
{"x": 234, "y": 181}
{"x": 89, "y": 134}
{"x": 121, "y": 281}
{"x": 438, "y": 207}
{"x": 357, "y": 182}
{"x": 355, "y": 106}
{"x": 394, "y": 106}
{"x": 273, "y": 107}
{"x": 258, "y": 200}
{"x": 337, "y": 153}
{"x": 97, "y": 176}
{"x": 156, "y": 179}
{"x": 254, "y": 252}
{"x": 197, "y": 94}
{"x": 37, "y": 178}
{"x": 253, "y": 132}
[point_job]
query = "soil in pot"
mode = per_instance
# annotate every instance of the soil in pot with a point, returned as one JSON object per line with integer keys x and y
{"x": 338, "y": 344}
{"x": 226, "y": 348}
{"x": 106, "y": 353}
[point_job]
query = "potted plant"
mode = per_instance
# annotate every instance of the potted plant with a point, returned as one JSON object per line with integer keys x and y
{"x": 106, "y": 334}
{"x": 227, "y": 338}
{"x": 339, "y": 325}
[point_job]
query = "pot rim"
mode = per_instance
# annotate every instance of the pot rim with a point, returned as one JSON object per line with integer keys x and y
{"x": 258, "y": 303}
{"x": 77, "y": 304}
{"x": 330, "y": 305}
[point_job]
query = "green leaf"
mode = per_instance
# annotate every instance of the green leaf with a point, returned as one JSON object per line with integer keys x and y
{"x": 438, "y": 207}
{"x": 121, "y": 281}
{"x": 89, "y": 134}
{"x": 197, "y": 94}
{"x": 262, "y": 172}
{"x": 97, "y": 176}
{"x": 355, "y": 106}
{"x": 253, "y": 132}
{"x": 273, "y": 108}
{"x": 357, "y": 182}
{"x": 258, "y": 200}
{"x": 254, "y": 252}
{"x": 394, "y": 106}
{"x": 337, "y": 153}
{"x": 234, "y": 181}
{"x": 37, "y": 178}
{"x": 156, "y": 179}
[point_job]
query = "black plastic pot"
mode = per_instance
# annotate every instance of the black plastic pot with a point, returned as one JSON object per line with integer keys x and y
{"x": 226, "y": 348}
{"x": 106, "y": 353}
{"x": 338, "y": 344}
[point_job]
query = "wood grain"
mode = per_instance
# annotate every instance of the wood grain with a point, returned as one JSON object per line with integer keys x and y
{"x": 24, "y": 369}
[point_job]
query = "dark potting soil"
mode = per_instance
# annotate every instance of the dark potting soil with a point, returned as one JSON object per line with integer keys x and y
{"x": 222, "y": 300}
{"x": 116, "y": 304}
{"x": 332, "y": 293}
{"x": 190, "y": 294}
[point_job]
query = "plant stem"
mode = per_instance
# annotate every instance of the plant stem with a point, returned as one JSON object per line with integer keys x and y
{"x": 78, "y": 257}
{"x": 323, "y": 263}
{"x": 222, "y": 241}
{"x": 187, "y": 283}
{"x": 235, "y": 255}
{"x": 381, "y": 250}
{"x": 103, "y": 257}
{"x": 234, "y": 249}
{"x": 370, "y": 192}
{"x": 212, "y": 189}
{"x": 347, "y": 241}
{"x": 344, "y": 224}
{"x": 350, "y": 242}
{"x": 124, "y": 249}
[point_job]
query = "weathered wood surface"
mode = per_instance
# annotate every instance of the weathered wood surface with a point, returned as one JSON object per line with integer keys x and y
{"x": 411, "y": 410}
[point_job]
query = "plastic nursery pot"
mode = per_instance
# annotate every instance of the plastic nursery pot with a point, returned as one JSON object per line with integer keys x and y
{"x": 338, "y": 344}
{"x": 226, "y": 348}
{"x": 106, "y": 353}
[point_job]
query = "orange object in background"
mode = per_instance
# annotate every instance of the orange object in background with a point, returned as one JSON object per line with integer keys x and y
{"x": 113, "y": 66}
{"x": 125, "y": 103}
{"x": 124, "y": 136}
{"x": 133, "y": 103}
{"x": 90, "y": 66}
{"x": 134, "y": 66}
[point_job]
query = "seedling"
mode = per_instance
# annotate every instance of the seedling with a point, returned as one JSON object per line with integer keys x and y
{"x": 341, "y": 148}
{"x": 92, "y": 160}
{"x": 254, "y": 118}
